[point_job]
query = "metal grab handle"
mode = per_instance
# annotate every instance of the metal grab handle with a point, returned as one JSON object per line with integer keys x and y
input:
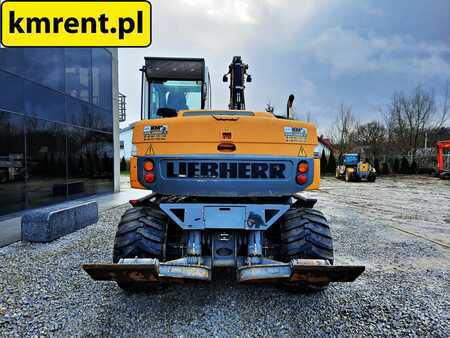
{"x": 226, "y": 147}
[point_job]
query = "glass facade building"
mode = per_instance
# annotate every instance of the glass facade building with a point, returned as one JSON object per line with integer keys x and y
{"x": 56, "y": 125}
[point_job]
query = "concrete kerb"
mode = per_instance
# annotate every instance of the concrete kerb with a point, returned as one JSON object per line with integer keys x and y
{"x": 49, "y": 223}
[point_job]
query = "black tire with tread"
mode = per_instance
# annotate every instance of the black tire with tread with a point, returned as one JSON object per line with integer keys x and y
{"x": 348, "y": 176}
{"x": 305, "y": 234}
{"x": 141, "y": 233}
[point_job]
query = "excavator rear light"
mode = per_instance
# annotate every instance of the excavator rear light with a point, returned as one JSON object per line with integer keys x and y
{"x": 302, "y": 179}
{"x": 149, "y": 166}
{"x": 149, "y": 177}
{"x": 303, "y": 167}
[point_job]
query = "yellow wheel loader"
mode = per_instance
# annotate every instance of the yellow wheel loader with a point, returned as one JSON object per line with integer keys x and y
{"x": 225, "y": 190}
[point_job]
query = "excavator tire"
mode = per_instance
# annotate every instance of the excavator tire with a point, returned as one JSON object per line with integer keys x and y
{"x": 305, "y": 234}
{"x": 141, "y": 233}
{"x": 348, "y": 176}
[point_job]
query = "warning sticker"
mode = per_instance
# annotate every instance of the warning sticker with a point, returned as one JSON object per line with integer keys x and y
{"x": 302, "y": 152}
{"x": 150, "y": 150}
{"x": 294, "y": 134}
{"x": 156, "y": 132}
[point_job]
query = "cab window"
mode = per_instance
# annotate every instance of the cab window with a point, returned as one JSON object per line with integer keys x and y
{"x": 178, "y": 95}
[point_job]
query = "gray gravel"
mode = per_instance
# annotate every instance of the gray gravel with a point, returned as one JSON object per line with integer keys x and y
{"x": 405, "y": 290}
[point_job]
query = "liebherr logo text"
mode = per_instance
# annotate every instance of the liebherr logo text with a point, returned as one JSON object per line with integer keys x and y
{"x": 240, "y": 170}
{"x": 76, "y": 23}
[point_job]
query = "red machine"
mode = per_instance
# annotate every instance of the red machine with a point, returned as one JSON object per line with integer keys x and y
{"x": 443, "y": 170}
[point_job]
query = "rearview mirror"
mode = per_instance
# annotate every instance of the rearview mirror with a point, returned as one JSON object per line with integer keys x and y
{"x": 166, "y": 112}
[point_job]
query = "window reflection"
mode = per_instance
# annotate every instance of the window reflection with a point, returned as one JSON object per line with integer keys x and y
{"x": 45, "y": 65}
{"x": 79, "y": 113}
{"x": 46, "y": 162}
{"x": 42, "y": 160}
{"x": 103, "y": 119}
{"x": 90, "y": 161}
{"x": 11, "y": 92}
{"x": 44, "y": 103}
{"x": 11, "y": 60}
{"x": 102, "y": 78}
{"x": 99, "y": 146}
{"x": 78, "y": 72}
{"x": 12, "y": 163}
{"x": 80, "y": 167}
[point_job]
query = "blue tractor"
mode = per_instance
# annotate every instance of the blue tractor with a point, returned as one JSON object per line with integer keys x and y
{"x": 352, "y": 168}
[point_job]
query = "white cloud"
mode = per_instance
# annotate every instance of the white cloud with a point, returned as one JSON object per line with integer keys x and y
{"x": 234, "y": 11}
{"x": 221, "y": 25}
{"x": 350, "y": 52}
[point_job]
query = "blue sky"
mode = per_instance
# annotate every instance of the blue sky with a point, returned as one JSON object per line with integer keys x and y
{"x": 324, "y": 52}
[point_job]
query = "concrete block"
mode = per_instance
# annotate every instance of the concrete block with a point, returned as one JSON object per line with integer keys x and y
{"x": 49, "y": 223}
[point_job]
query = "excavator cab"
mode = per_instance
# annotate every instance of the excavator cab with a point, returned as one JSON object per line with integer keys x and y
{"x": 170, "y": 85}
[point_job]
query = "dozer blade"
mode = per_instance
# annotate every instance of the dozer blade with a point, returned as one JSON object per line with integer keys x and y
{"x": 148, "y": 270}
{"x": 123, "y": 272}
{"x": 310, "y": 271}
{"x": 315, "y": 271}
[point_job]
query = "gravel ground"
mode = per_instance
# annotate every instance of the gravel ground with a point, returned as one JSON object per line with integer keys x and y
{"x": 404, "y": 291}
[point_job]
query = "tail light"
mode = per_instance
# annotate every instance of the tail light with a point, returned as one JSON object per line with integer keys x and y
{"x": 149, "y": 176}
{"x": 303, "y": 167}
{"x": 302, "y": 179}
{"x": 148, "y": 166}
{"x": 302, "y": 170}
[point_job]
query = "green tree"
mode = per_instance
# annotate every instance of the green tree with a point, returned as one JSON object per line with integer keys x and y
{"x": 385, "y": 169}
{"x": 323, "y": 163}
{"x": 376, "y": 165}
{"x": 123, "y": 165}
{"x": 396, "y": 166}
{"x": 413, "y": 168}
{"x": 404, "y": 166}
{"x": 331, "y": 164}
